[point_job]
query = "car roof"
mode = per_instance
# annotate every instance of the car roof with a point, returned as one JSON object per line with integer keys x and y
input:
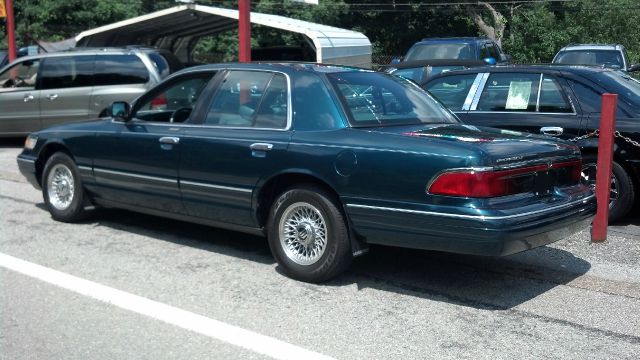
{"x": 574, "y": 47}
{"x": 554, "y": 68}
{"x": 436, "y": 62}
{"x": 285, "y": 67}
{"x": 462, "y": 40}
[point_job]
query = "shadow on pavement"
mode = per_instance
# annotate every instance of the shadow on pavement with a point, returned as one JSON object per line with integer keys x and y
{"x": 493, "y": 283}
{"x": 478, "y": 282}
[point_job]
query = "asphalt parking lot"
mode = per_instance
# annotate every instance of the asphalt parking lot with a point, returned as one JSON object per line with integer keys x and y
{"x": 572, "y": 299}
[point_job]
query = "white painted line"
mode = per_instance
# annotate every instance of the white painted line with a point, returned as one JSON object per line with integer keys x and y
{"x": 231, "y": 334}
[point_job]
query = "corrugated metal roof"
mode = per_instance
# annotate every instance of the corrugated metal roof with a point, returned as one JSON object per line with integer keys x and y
{"x": 178, "y": 28}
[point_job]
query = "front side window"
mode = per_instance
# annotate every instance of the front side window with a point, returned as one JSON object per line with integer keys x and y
{"x": 174, "y": 102}
{"x": 250, "y": 99}
{"x": 510, "y": 92}
{"x": 451, "y": 90}
{"x": 374, "y": 99}
{"x": 484, "y": 52}
{"x": 493, "y": 51}
{"x": 67, "y": 72}
{"x": 120, "y": 69}
{"x": 22, "y": 75}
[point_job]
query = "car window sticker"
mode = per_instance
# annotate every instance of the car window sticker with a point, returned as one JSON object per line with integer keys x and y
{"x": 518, "y": 97}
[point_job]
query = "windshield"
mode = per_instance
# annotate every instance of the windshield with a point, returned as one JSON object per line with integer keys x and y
{"x": 417, "y": 74}
{"x": 441, "y": 51}
{"x": 374, "y": 99}
{"x": 610, "y": 58}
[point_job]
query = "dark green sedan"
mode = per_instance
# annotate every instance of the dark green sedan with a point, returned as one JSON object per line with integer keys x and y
{"x": 323, "y": 160}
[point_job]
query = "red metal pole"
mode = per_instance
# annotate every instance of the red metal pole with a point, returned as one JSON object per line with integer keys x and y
{"x": 604, "y": 166}
{"x": 11, "y": 30}
{"x": 244, "y": 30}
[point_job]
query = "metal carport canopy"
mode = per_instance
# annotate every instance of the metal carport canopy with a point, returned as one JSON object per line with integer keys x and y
{"x": 178, "y": 29}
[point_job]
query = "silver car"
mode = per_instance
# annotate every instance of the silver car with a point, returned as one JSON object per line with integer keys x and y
{"x": 45, "y": 89}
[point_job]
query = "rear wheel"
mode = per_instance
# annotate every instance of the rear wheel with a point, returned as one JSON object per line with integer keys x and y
{"x": 622, "y": 193}
{"x": 62, "y": 188}
{"x": 308, "y": 234}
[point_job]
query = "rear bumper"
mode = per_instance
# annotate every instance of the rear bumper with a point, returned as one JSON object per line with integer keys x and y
{"x": 27, "y": 167}
{"x": 472, "y": 234}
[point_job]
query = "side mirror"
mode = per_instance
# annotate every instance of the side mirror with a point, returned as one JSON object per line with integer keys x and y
{"x": 120, "y": 110}
{"x": 490, "y": 60}
{"x": 395, "y": 61}
{"x": 634, "y": 68}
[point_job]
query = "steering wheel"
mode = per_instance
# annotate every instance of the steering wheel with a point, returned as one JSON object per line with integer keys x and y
{"x": 180, "y": 114}
{"x": 13, "y": 82}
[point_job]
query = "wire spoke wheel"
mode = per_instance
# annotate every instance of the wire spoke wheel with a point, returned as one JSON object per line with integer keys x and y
{"x": 303, "y": 233}
{"x": 589, "y": 178}
{"x": 60, "y": 187}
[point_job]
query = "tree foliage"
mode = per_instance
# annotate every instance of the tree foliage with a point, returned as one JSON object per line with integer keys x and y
{"x": 529, "y": 31}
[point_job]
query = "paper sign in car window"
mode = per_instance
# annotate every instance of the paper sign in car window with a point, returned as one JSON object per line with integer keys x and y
{"x": 519, "y": 93}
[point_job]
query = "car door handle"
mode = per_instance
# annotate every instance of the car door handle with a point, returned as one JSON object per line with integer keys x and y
{"x": 261, "y": 147}
{"x": 169, "y": 140}
{"x": 551, "y": 130}
{"x": 52, "y": 96}
{"x": 28, "y": 98}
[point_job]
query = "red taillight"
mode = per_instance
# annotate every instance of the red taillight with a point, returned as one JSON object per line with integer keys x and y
{"x": 159, "y": 102}
{"x": 494, "y": 183}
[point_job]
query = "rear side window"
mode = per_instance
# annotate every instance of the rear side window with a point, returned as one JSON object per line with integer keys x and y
{"x": 120, "y": 69}
{"x": 552, "y": 97}
{"x": 250, "y": 99}
{"x": 67, "y": 72}
{"x": 452, "y": 90}
{"x": 510, "y": 92}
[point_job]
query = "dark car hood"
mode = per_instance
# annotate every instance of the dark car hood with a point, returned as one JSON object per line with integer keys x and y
{"x": 500, "y": 147}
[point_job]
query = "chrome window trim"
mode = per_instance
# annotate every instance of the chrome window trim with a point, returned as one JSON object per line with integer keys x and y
{"x": 476, "y": 99}
{"x": 539, "y": 91}
{"x": 473, "y": 217}
{"x": 187, "y": 125}
{"x": 476, "y": 96}
{"x": 211, "y": 186}
{"x": 524, "y": 112}
{"x": 289, "y": 102}
{"x": 137, "y": 176}
{"x": 472, "y": 91}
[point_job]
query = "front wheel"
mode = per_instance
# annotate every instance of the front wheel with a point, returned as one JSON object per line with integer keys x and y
{"x": 308, "y": 234}
{"x": 62, "y": 189}
{"x": 622, "y": 193}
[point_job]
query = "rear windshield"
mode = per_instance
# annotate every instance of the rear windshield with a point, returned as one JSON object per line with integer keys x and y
{"x": 609, "y": 58}
{"x": 622, "y": 84}
{"x": 374, "y": 99}
{"x": 441, "y": 51}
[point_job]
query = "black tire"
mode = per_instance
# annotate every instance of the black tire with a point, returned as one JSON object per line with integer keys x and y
{"x": 622, "y": 192}
{"x": 324, "y": 217}
{"x": 65, "y": 201}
